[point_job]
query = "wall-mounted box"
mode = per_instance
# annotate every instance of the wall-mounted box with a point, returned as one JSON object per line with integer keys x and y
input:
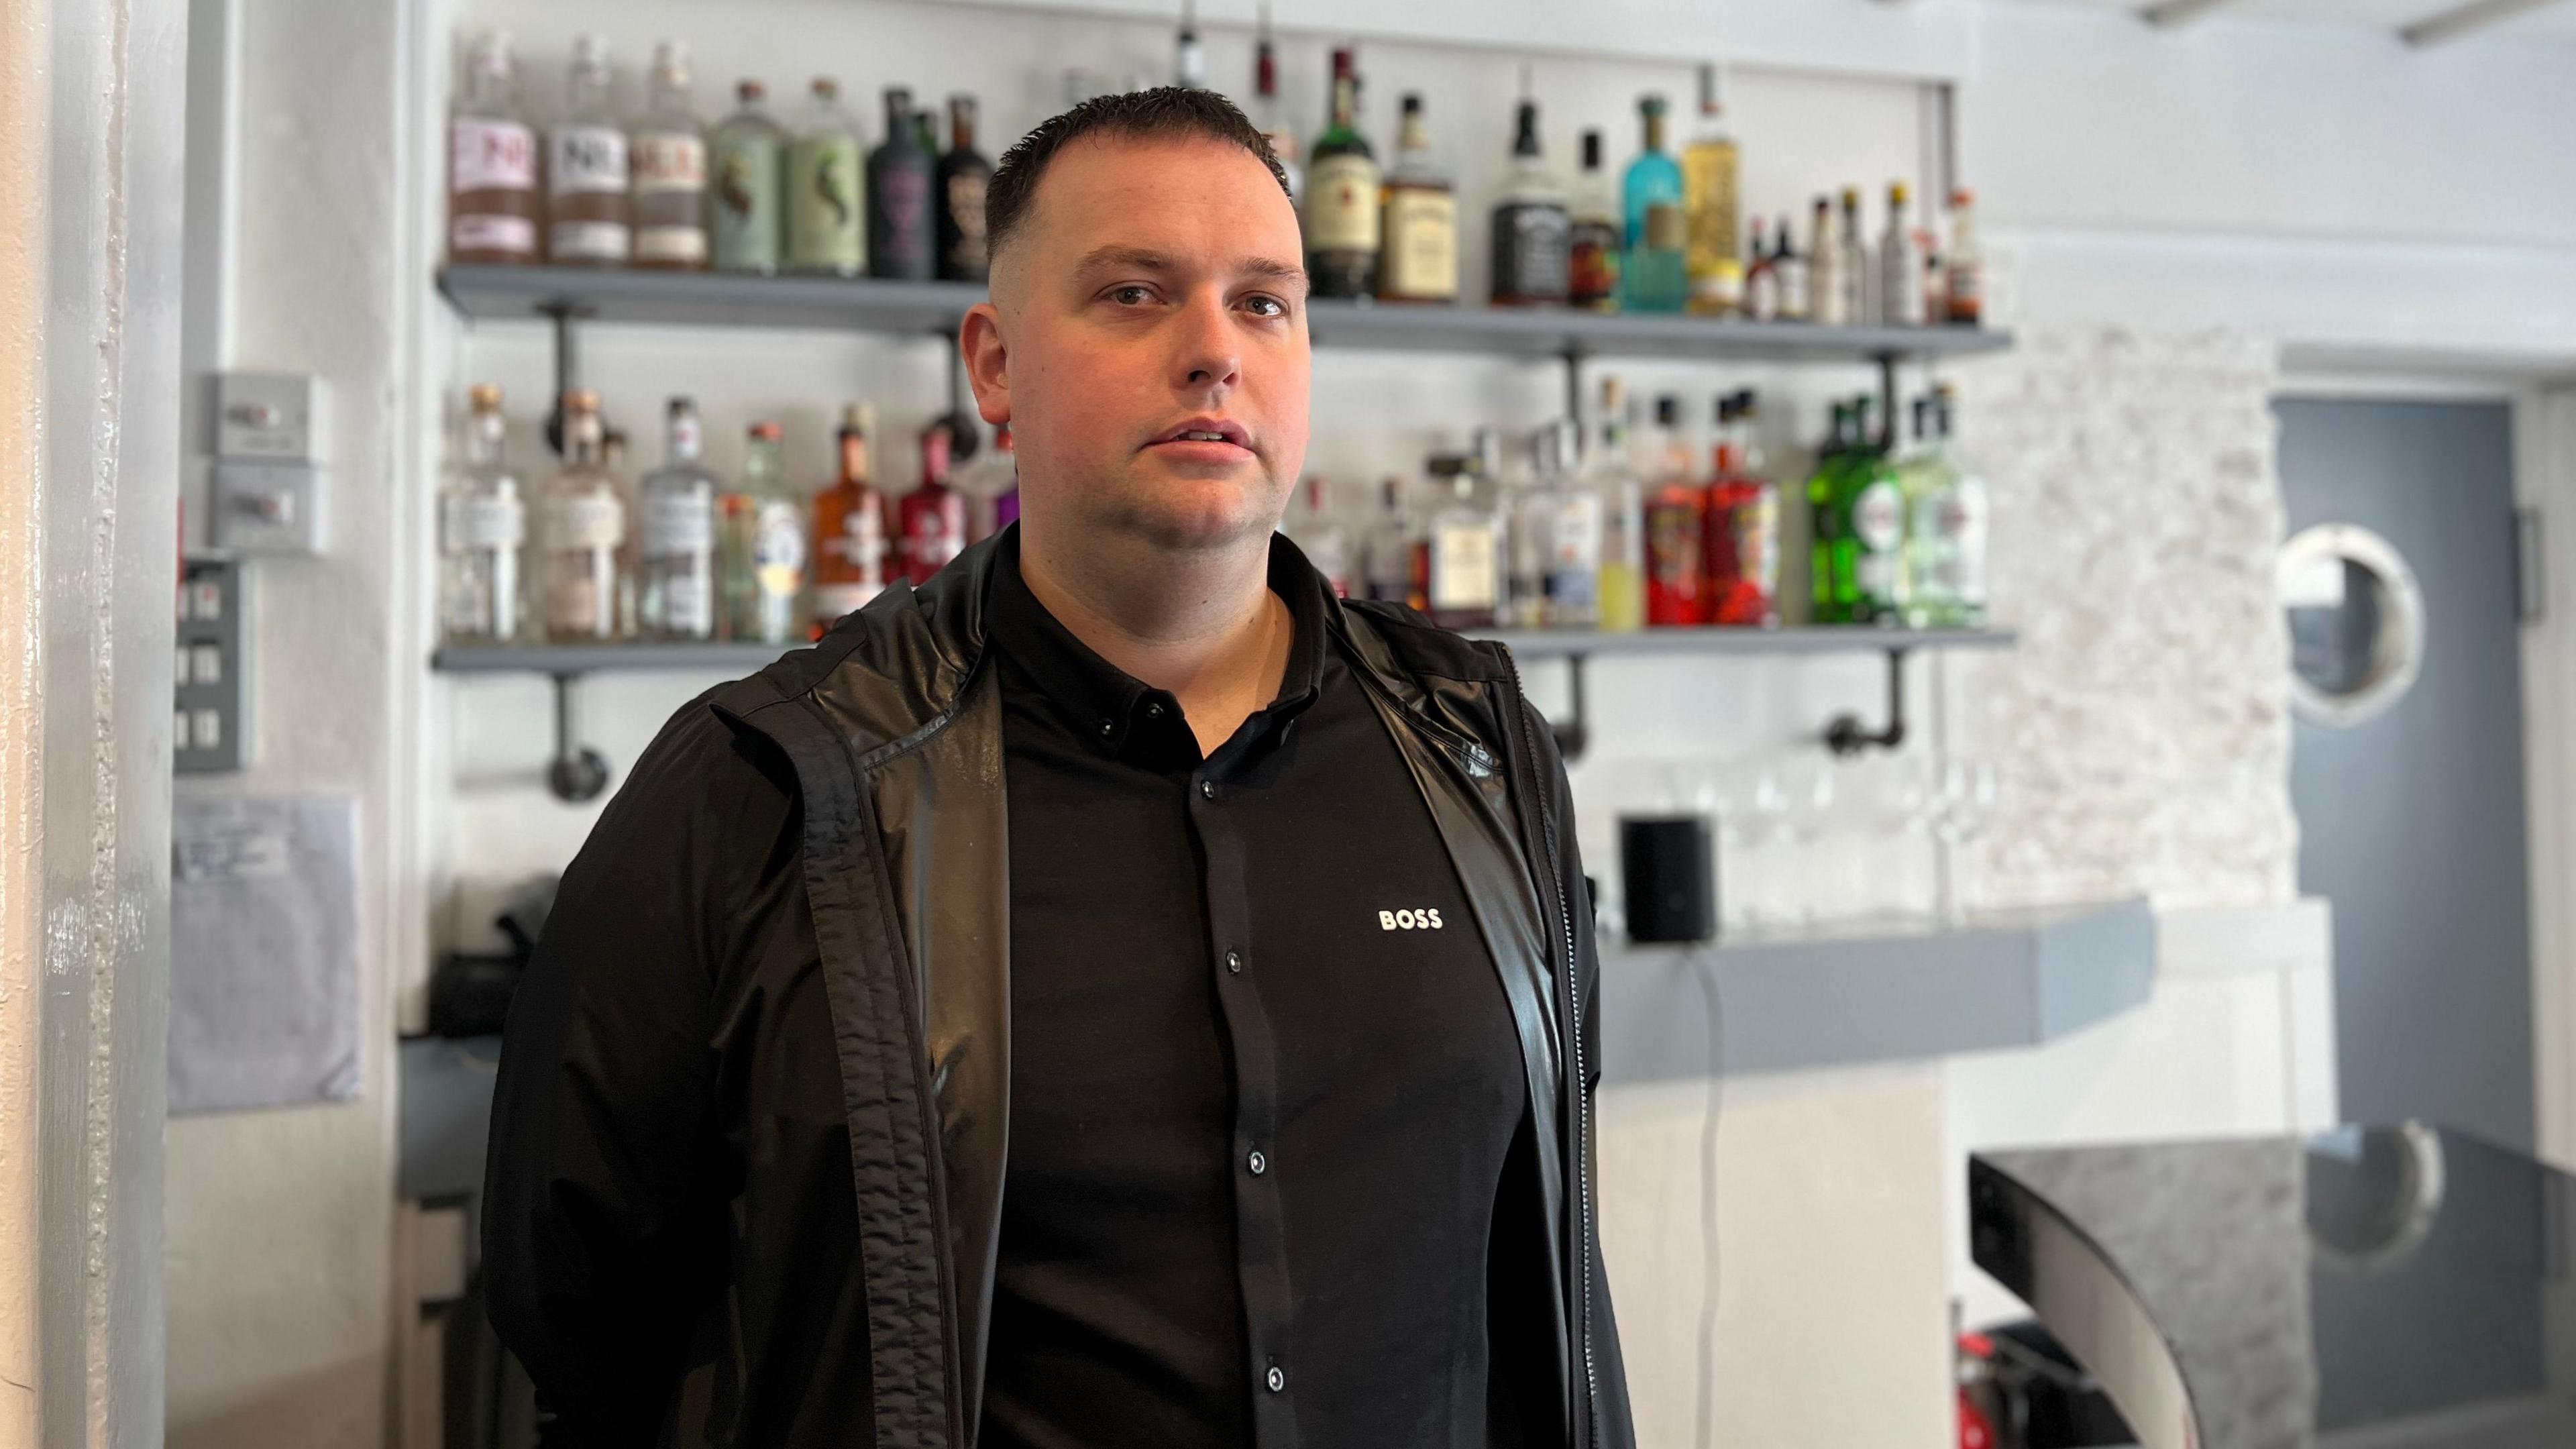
{"x": 268, "y": 415}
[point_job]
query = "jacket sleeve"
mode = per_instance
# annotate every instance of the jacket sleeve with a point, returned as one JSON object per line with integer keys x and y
{"x": 603, "y": 1207}
{"x": 1609, "y": 1368}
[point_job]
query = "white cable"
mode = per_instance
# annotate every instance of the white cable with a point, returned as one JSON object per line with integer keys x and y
{"x": 1705, "y": 963}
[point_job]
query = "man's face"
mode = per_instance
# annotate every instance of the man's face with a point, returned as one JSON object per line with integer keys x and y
{"x": 1156, "y": 290}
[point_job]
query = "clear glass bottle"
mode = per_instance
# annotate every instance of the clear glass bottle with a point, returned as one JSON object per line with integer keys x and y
{"x": 1460, "y": 556}
{"x": 1595, "y": 241}
{"x": 1789, "y": 267}
{"x": 903, "y": 229}
{"x": 1825, "y": 294}
{"x": 1855, "y": 276}
{"x": 1623, "y": 524}
{"x": 670, "y": 155}
{"x": 676, "y": 587}
{"x": 745, "y": 156}
{"x": 1419, "y": 262}
{"x": 1714, "y": 256}
{"x": 963, "y": 176}
{"x": 1341, "y": 214}
{"x": 851, "y": 532}
{"x": 1266, "y": 110}
{"x": 581, "y": 532}
{"x": 1652, "y": 274}
{"x": 1761, "y": 279}
{"x": 826, "y": 209}
{"x": 1963, "y": 299}
{"x": 761, "y": 572}
{"x": 1387, "y": 551}
{"x": 1945, "y": 502}
{"x": 1900, "y": 264}
{"x": 1532, "y": 230}
{"x": 1317, "y": 530}
{"x": 482, "y": 529}
{"x": 589, "y": 215}
{"x": 491, "y": 162}
{"x": 1573, "y": 524}
{"x": 1523, "y": 505}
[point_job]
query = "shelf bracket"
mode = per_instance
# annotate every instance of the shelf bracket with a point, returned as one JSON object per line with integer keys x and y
{"x": 1573, "y": 357}
{"x": 577, "y": 772}
{"x": 1846, "y": 735}
{"x": 1888, "y": 432}
{"x": 567, "y": 362}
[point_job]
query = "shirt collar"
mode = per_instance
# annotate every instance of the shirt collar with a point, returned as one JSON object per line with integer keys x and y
{"x": 1104, "y": 703}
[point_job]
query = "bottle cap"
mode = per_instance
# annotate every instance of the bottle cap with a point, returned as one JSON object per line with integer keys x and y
{"x": 1592, "y": 150}
{"x": 483, "y": 397}
{"x": 581, "y": 400}
{"x": 826, "y": 88}
{"x": 748, "y": 90}
{"x": 1668, "y": 410}
{"x": 764, "y": 432}
{"x": 1709, "y": 104}
{"x": 858, "y": 417}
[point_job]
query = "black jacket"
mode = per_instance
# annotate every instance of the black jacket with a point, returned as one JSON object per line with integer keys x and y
{"x": 746, "y": 1163}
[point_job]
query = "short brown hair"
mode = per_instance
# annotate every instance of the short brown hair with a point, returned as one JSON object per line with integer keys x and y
{"x": 1135, "y": 115}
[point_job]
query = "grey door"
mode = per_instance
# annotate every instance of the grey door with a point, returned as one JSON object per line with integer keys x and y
{"x": 2411, "y": 821}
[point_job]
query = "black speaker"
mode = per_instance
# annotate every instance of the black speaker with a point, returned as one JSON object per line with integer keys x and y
{"x": 1670, "y": 865}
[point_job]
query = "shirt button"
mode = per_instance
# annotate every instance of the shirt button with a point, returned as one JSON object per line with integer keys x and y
{"x": 1207, "y": 789}
{"x": 1258, "y": 1163}
{"x": 1234, "y": 962}
{"x": 1277, "y": 1379}
{"x": 1153, "y": 710}
{"x": 1108, "y": 727}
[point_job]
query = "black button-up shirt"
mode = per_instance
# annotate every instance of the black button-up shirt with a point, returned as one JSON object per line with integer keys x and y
{"x": 1263, "y": 1074}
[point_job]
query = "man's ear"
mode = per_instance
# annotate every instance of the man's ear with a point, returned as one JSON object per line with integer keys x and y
{"x": 988, "y": 362}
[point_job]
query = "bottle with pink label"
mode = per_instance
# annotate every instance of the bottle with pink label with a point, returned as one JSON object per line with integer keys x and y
{"x": 491, "y": 163}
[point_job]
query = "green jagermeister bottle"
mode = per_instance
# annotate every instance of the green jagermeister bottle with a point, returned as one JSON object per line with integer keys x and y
{"x": 1868, "y": 519}
{"x": 826, "y": 216}
{"x": 1827, "y": 605}
{"x": 743, "y": 157}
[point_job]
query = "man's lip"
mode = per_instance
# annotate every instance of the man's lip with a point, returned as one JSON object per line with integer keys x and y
{"x": 1234, "y": 433}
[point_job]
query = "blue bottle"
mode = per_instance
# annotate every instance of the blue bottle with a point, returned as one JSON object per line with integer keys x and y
{"x": 1652, "y": 278}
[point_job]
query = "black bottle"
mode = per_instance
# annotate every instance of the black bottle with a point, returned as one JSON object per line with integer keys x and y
{"x": 901, "y": 233}
{"x": 963, "y": 173}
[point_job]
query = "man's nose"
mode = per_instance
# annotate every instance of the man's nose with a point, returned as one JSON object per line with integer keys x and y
{"x": 1207, "y": 345}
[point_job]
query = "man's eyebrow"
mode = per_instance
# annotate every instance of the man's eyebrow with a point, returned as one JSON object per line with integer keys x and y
{"x": 1116, "y": 257}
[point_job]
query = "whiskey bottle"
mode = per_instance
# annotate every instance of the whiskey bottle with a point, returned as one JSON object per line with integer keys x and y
{"x": 761, "y": 572}
{"x": 581, "y": 532}
{"x": 826, "y": 214}
{"x": 1652, "y": 275}
{"x": 745, "y": 156}
{"x": 491, "y": 162}
{"x": 676, "y": 587}
{"x": 1266, "y": 110}
{"x": 1532, "y": 230}
{"x": 932, "y": 517}
{"x": 1855, "y": 278}
{"x": 482, "y": 526}
{"x": 1419, "y": 260}
{"x": 1900, "y": 265}
{"x": 1342, "y": 216}
{"x": 588, "y": 214}
{"x": 1789, "y": 265}
{"x": 1593, "y": 246}
{"x": 850, "y": 532}
{"x": 1710, "y": 164}
{"x": 963, "y": 175}
{"x": 902, "y": 233}
{"x": 670, "y": 155}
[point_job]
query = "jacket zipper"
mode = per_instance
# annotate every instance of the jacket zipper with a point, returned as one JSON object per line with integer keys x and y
{"x": 1580, "y": 1166}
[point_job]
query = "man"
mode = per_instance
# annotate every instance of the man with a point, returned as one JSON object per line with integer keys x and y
{"x": 1116, "y": 995}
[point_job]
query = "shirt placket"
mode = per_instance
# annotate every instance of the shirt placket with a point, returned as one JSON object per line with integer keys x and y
{"x": 1261, "y": 1264}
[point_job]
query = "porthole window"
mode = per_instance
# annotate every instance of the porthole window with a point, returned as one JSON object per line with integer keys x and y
{"x": 2356, "y": 623}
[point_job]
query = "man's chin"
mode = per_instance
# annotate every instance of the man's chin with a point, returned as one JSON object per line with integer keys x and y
{"x": 1179, "y": 527}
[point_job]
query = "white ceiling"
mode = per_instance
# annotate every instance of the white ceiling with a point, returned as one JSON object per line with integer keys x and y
{"x": 2550, "y": 22}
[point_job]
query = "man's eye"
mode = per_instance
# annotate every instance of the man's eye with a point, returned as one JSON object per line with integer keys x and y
{"x": 1132, "y": 295}
{"x": 1266, "y": 306}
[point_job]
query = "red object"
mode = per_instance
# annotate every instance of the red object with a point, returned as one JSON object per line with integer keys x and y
{"x": 1742, "y": 545}
{"x": 1975, "y": 1430}
{"x": 932, "y": 516}
{"x": 1676, "y": 558}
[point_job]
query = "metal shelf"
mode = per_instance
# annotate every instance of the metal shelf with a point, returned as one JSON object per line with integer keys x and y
{"x": 714, "y": 299}
{"x": 1801, "y": 639}
{"x": 566, "y": 660}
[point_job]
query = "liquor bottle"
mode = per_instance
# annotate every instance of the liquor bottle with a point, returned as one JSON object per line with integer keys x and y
{"x": 1569, "y": 529}
{"x": 1522, "y": 504}
{"x": 1920, "y": 481}
{"x": 963, "y": 175}
{"x": 588, "y": 215}
{"x": 850, "y": 527}
{"x": 1900, "y": 265}
{"x": 1594, "y": 243}
{"x": 902, "y": 234}
{"x": 1676, "y": 525}
{"x": 1743, "y": 543}
{"x": 1855, "y": 276}
{"x": 1714, "y": 229}
{"x": 482, "y": 526}
{"x": 761, "y": 574}
{"x": 1824, "y": 270}
{"x": 1266, "y": 112}
{"x": 1867, "y": 530}
{"x": 1386, "y": 555}
{"x": 1459, "y": 558}
{"x": 670, "y": 154}
{"x": 1964, "y": 279}
{"x": 1822, "y": 607}
{"x": 1652, "y": 276}
{"x": 676, "y": 590}
{"x": 1189, "y": 57}
{"x": 1418, "y": 258}
{"x": 744, "y": 161}
{"x": 581, "y": 532}
{"x": 1789, "y": 265}
{"x": 1318, "y": 533}
{"x": 826, "y": 213}
{"x": 1341, "y": 215}
{"x": 1761, "y": 280}
{"x": 1623, "y": 526}
{"x": 1945, "y": 510}
{"x": 491, "y": 162}
{"x": 1531, "y": 227}
{"x": 933, "y": 516}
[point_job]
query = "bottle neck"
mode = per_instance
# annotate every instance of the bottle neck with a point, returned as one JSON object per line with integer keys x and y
{"x": 491, "y": 82}
{"x": 581, "y": 440}
{"x": 854, "y": 458}
{"x": 961, "y": 127}
{"x": 1654, "y": 133}
{"x": 483, "y": 433}
{"x": 1411, "y": 138}
{"x": 1345, "y": 103}
{"x": 685, "y": 438}
{"x": 586, "y": 92}
{"x": 760, "y": 466}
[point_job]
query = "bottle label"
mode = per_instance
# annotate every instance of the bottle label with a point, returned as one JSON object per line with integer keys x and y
{"x": 934, "y": 531}
{"x": 1757, "y": 542}
{"x": 513, "y": 234}
{"x": 1708, "y": 178}
{"x": 899, "y": 240}
{"x": 582, "y": 524}
{"x": 1422, "y": 245}
{"x": 1960, "y": 518}
{"x": 1664, "y": 228}
{"x": 490, "y": 155}
{"x": 587, "y": 158}
{"x": 1574, "y": 558}
{"x": 859, "y": 547}
{"x": 1878, "y": 517}
{"x": 1342, "y": 204}
{"x": 689, "y": 603}
{"x": 483, "y": 524}
{"x": 669, "y": 161}
{"x": 679, "y": 245}
{"x": 965, "y": 202}
{"x": 588, "y": 241}
{"x": 826, "y": 229}
{"x": 1673, "y": 558}
{"x": 1592, "y": 265}
{"x": 778, "y": 549}
{"x": 680, "y": 525}
{"x": 1531, "y": 252}
{"x": 744, "y": 215}
{"x": 1462, "y": 567}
